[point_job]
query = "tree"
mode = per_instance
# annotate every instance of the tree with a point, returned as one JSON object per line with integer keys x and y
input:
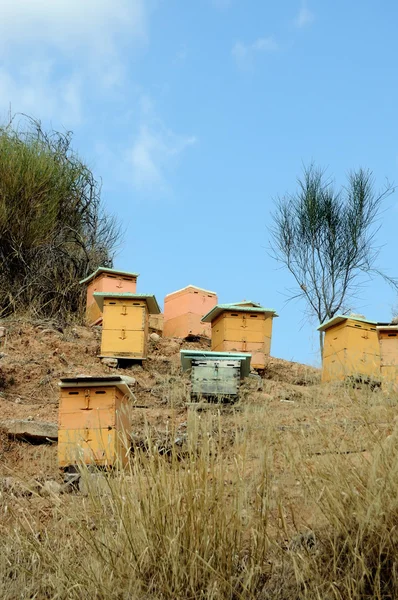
{"x": 326, "y": 238}
{"x": 53, "y": 229}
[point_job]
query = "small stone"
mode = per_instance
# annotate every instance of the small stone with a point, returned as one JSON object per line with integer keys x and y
{"x": 30, "y": 418}
{"x": 18, "y": 401}
{"x": 110, "y": 362}
{"x": 46, "y": 331}
{"x": 154, "y": 337}
{"x": 51, "y": 487}
{"x": 2, "y": 332}
{"x": 3, "y": 354}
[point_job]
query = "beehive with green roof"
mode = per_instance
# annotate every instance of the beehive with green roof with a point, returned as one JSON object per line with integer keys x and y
{"x": 242, "y": 327}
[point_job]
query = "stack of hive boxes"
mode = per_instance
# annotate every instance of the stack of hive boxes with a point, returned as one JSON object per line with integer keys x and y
{"x": 94, "y": 421}
{"x": 242, "y": 327}
{"x": 350, "y": 349}
{"x": 125, "y": 324}
{"x": 183, "y": 312}
{"x": 113, "y": 302}
{"x": 388, "y": 340}
{"x": 215, "y": 375}
{"x": 106, "y": 280}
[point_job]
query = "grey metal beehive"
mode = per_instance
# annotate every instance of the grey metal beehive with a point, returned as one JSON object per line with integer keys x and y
{"x": 215, "y": 375}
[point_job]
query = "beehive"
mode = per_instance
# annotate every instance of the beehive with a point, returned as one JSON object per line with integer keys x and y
{"x": 215, "y": 375}
{"x": 106, "y": 280}
{"x": 94, "y": 421}
{"x": 350, "y": 349}
{"x": 125, "y": 324}
{"x": 183, "y": 311}
{"x": 242, "y": 327}
{"x": 388, "y": 341}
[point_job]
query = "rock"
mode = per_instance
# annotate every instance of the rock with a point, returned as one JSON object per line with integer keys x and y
{"x": 110, "y": 362}
{"x": 303, "y": 541}
{"x": 14, "y": 486}
{"x": 38, "y": 432}
{"x": 51, "y": 487}
{"x": 47, "y": 331}
{"x": 2, "y": 332}
{"x": 18, "y": 401}
{"x": 154, "y": 337}
{"x": 30, "y": 418}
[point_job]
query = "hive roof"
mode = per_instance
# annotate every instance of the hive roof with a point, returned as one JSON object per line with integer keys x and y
{"x": 107, "y": 270}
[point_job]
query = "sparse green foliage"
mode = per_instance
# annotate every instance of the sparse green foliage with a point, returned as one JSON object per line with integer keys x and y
{"x": 326, "y": 238}
{"x": 53, "y": 230}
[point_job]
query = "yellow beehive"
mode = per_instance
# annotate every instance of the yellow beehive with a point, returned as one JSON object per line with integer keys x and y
{"x": 242, "y": 327}
{"x": 350, "y": 349}
{"x": 388, "y": 340}
{"x": 94, "y": 421}
{"x": 125, "y": 324}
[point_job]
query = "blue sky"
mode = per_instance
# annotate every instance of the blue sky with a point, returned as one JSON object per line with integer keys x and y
{"x": 197, "y": 113}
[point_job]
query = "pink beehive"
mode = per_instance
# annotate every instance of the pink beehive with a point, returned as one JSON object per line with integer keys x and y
{"x": 183, "y": 311}
{"x": 106, "y": 280}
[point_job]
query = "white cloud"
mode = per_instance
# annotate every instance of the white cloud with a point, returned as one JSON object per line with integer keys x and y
{"x": 244, "y": 53}
{"x": 54, "y": 50}
{"x": 154, "y": 151}
{"x": 305, "y": 16}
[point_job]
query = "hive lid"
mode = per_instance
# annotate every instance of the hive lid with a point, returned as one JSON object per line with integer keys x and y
{"x": 153, "y": 306}
{"x": 194, "y": 287}
{"x": 121, "y": 382}
{"x": 107, "y": 270}
{"x": 187, "y": 356}
{"x": 340, "y": 318}
{"x": 220, "y": 308}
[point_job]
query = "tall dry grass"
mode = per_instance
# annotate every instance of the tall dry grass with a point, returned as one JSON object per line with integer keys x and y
{"x": 256, "y": 504}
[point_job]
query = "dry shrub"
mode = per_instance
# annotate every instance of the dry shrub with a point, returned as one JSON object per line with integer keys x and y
{"x": 53, "y": 230}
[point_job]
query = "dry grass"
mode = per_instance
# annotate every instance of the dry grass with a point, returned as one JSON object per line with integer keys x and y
{"x": 273, "y": 498}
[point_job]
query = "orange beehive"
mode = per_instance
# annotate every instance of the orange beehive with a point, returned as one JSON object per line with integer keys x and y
{"x": 183, "y": 311}
{"x": 106, "y": 280}
{"x": 94, "y": 421}
{"x": 242, "y": 327}
{"x": 388, "y": 340}
{"x": 350, "y": 348}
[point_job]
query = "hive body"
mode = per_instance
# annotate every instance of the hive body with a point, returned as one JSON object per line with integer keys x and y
{"x": 106, "y": 280}
{"x": 245, "y": 327}
{"x": 94, "y": 423}
{"x": 125, "y": 324}
{"x": 215, "y": 375}
{"x": 183, "y": 311}
{"x": 351, "y": 349}
{"x": 388, "y": 340}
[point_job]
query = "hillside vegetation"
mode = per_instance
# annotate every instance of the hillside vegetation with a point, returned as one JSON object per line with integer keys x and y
{"x": 53, "y": 229}
{"x": 288, "y": 494}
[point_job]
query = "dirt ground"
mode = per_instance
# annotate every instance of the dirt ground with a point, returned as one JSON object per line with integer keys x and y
{"x": 287, "y": 409}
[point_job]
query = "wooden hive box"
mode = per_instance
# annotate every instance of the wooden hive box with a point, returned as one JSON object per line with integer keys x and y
{"x": 106, "y": 280}
{"x": 94, "y": 421}
{"x": 125, "y": 324}
{"x": 350, "y": 349}
{"x": 183, "y": 312}
{"x": 215, "y": 375}
{"x": 242, "y": 327}
{"x": 388, "y": 341}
